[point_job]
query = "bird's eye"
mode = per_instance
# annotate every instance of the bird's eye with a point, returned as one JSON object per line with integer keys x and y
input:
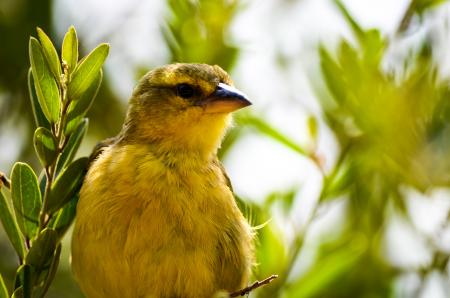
{"x": 185, "y": 90}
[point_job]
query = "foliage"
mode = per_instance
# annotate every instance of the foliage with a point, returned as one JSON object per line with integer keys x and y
{"x": 392, "y": 127}
{"x": 19, "y": 20}
{"x": 196, "y": 32}
{"x": 61, "y": 92}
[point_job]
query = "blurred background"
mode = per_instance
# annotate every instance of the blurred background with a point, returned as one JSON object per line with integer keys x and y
{"x": 343, "y": 161}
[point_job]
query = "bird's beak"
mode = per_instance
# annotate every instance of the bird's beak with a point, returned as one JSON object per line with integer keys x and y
{"x": 225, "y": 99}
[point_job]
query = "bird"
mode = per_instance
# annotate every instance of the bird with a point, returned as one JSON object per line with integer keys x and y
{"x": 156, "y": 215}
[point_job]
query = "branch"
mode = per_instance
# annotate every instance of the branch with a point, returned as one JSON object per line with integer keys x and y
{"x": 4, "y": 181}
{"x": 255, "y": 285}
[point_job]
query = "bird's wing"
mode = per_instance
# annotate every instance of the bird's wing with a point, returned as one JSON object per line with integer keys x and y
{"x": 224, "y": 173}
{"x": 100, "y": 147}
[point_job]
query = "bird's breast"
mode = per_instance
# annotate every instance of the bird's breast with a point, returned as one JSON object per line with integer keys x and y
{"x": 135, "y": 190}
{"x": 137, "y": 215}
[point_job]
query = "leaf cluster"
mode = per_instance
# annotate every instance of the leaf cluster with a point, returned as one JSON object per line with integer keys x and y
{"x": 196, "y": 31}
{"x": 37, "y": 211}
{"x": 392, "y": 125}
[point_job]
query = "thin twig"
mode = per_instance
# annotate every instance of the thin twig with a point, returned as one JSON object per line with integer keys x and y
{"x": 5, "y": 181}
{"x": 255, "y": 285}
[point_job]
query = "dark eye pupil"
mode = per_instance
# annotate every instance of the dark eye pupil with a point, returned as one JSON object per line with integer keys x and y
{"x": 185, "y": 90}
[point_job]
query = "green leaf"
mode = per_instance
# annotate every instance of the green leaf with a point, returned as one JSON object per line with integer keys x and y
{"x": 46, "y": 88}
{"x": 18, "y": 278}
{"x": 86, "y": 72}
{"x": 69, "y": 51}
{"x": 312, "y": 127}
{"x": 45, "y": 145}
{"x": 41, "y": 291}
{"x": 39, "y": 116}
{"x": 3, "y": 289}
{"x": 65, "y": 217}
{"x": 18, "y": 293}
{"x": 328, "y": 269}
{"x": 422, "y": 5}
{"x": 54, "y": 264}
{"x": 67, "y": 184}
{"x": 357, "y": 30}
{"x": 78, "y": 108}
{"x": 26, "y": 281}
{"x": 43, "y": 248}
{"x": 285, "y": 198}
{"x": 72, "y": 145}
{"x": 42, "y": 180}
{"x": 271, "y": 249}
{"x": 26, "y": 198}
{"x": 265, "y": 128}
{"x": 338, "y": 182}
{"x": 333, "y": 76}
{"x": 22, "y": 279}
{"x": 50, "y": 54}
{"x": 10, "y": 227}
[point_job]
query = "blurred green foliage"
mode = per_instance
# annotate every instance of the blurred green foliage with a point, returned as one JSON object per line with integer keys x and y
{"x": 393, "y": 130}
{"x": 16, "y": 24}
{"x": 18, "y": 20}
{"x": 197, "y": 31}
{"x": 392, "y": 126}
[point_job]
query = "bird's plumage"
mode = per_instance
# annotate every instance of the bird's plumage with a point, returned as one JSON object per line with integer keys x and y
{"x": 156, "y": 215}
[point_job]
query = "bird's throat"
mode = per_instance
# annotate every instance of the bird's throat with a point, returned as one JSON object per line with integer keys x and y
{"x": 196, "y": 142}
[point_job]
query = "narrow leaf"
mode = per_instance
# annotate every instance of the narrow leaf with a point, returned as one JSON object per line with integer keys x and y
{"x": 18, "y": 278}
{"x": 39, "y": 116}
{"x": 265, "y": 128}
{"x": 327, "y": 270}
{"x": 67, "y": 184}
{"x": 18, "y": 293}
{"x": 26, "y": 198}
{"x": 46, "y": 88}
{"x": 338, "y": 182}
{"x": 333, "y": 76}
{"x": 78, "y": 108}
{"x": 43, "y": 248}
{"x": 86, "y": 72}
{"x": 312, "y": 127}
{"x": 50, "y": 54}
{"x": 42, "y": 180}
{"x": 65, "y": 217}
{"x": 51, "y": 272}
{"x": 72, "y": 145}
{"x": 22, "y": 279}
{"x": 26, "y": 281}
{"x": 357, "y": 30}
{"x": 70, "y": 49}
{"x": 10, "y": 227}
{"x": 3, "y": 289}
{"x": 270, "y": 249}
{"x": 45, "y": 145}
{"x": 422, "y": 5}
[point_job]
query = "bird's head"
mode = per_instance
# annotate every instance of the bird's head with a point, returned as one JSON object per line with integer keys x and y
{"x": 183, "y": 106}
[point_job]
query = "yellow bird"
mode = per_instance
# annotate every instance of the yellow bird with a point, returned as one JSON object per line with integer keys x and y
{"x": 156, "y": 215}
